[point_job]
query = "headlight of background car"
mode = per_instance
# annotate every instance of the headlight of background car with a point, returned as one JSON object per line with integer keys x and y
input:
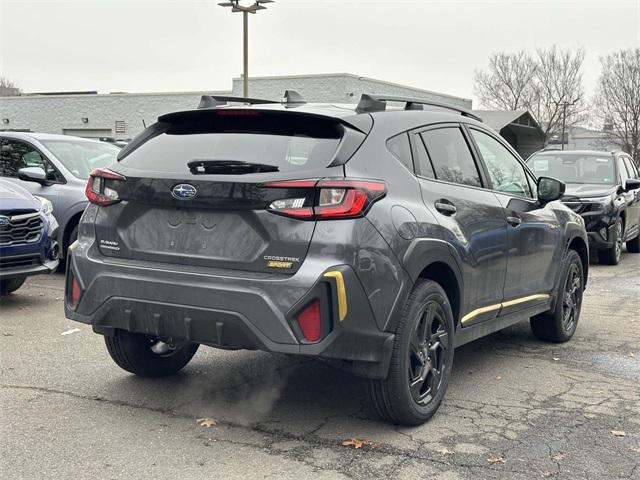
{"x": 45, "y": 205}
{"x": 597, "y": 204}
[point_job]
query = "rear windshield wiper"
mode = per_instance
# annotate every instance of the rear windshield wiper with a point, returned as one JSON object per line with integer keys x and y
{"x": 228, "y": 167}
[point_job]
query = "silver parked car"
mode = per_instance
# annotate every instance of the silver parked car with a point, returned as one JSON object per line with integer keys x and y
{"x": 55, "y": 167}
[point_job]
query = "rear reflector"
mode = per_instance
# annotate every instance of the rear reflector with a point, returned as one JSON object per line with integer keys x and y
{"x": 309, "y": 321}
{"x": 327, "y": 199}
{"x": 75, "y": 292}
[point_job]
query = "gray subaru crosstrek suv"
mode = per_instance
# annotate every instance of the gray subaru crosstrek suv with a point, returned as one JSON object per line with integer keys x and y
{"x": 377, "y": 237}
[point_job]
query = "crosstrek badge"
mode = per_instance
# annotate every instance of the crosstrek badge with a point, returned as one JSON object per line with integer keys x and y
{"x": 280, "y": 262}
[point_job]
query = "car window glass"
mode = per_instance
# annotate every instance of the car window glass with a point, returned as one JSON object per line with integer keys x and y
{"x": 505, "y": 171}
{"x": 401, "y": 149}
{"x": 572, "y": 167}
{"x": 422, "y": 159}
{"x": 451, "y": 156}
{"x": 630, "y": 167}
{"x": 623, "y": 171}
{"x": 15, "y": 155}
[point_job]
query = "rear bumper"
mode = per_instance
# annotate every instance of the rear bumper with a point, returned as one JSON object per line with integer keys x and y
{"x": 252, "y": 312}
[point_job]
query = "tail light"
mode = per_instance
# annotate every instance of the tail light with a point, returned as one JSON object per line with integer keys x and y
{"x": 327, "y": 199}
{"x": 310, "y": 322}
{"x": 100, "y": 185}
{"x": 74, "y": 293}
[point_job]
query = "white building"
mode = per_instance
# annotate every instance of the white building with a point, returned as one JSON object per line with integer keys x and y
{"x": 123, "y": 115}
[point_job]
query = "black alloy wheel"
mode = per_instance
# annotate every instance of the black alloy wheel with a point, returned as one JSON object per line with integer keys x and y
{"x": 421, "y": 359}
{"x": 572, "y": 297}
{"x": 427, "y": 354}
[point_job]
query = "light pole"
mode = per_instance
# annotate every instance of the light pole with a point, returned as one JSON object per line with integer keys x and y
{"x": 236, "y": 6}
{"x": 565, "y": 104}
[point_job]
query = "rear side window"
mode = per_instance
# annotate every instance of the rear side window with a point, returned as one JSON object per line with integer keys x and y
{"x": 422, "y": 159}
{"x": 451, "y": 157}
{"x": 286, "y": 142}
{"x": 401, "y": 149}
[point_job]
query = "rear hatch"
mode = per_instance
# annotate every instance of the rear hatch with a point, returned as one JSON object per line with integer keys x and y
{"x": 201, "y": 188}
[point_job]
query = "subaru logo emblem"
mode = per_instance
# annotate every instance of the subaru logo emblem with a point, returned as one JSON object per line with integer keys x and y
{"x": 183, "y": 191}
{"x": 4, "y": 220}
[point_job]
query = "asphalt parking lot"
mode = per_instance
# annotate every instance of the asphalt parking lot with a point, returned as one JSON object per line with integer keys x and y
{"x": 516, "y": 408}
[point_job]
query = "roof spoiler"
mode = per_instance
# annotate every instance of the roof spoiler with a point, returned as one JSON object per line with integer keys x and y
{"x": 291, "y": 97}
{"x": 378, "y": 103}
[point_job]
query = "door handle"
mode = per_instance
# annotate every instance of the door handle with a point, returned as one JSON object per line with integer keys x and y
{"x": 514, "y": 221}
{"x": 448, "y": 209}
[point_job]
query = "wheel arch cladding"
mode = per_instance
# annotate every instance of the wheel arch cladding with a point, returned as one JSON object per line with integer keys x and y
{"x": 443, "y": 275}
{"x": 580, "y": 246}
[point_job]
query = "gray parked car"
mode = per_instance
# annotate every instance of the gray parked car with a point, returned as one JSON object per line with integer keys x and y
{"x": 376, "y": 238}
{"x": 55, "y": 167}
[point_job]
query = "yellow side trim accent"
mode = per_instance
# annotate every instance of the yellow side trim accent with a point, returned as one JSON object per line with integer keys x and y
{"x": 342, "y": 293}
{"x": 479, "y": 311}
{"x": 508, "y": 303}
{"x": 530, "y": 298}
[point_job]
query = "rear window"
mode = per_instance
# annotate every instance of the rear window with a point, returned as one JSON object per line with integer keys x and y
{"x": 288, "y": 142}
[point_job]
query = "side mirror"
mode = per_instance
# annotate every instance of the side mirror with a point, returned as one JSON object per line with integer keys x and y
{"x": 550, "y": 189}
{"x": 631, "y": 184}
{"x": 33, "y": 174}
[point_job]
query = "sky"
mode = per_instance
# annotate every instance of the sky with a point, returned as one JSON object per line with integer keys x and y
{"x": 193, "y": 45}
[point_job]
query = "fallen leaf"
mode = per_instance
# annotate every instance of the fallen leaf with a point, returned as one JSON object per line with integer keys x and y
{"x": 559, "y": 456}
{"x": 69, "y": 332}
{"x": 359, "y": 443}
{"x": 495, "y": 460}
{"x": 445, "y": 451}
{"x": 618, "y": 433}
{"x": 207, "y": 422}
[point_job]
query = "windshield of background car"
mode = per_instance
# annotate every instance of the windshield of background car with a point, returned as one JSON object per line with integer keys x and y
{"x": 81, "y": 157}
{"x": 287, "y": 143}
{"x": 575, "y": 168}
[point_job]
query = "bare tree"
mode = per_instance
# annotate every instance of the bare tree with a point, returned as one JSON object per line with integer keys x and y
{"x": 617, "y": 100}
{"x": 558, "y": 85}
{"x": 7, "y": 87}
{"x": 541, "y": 83}
{"x": 509, "y": 81}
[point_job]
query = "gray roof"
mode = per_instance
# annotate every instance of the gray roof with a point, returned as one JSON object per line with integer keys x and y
{"x": 498, "y": 119}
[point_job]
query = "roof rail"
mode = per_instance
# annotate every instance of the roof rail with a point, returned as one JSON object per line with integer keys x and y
{"x": 378, "y": 103}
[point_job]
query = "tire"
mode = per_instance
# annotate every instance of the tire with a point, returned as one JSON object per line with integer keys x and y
{"x": 73, "y": 236}
{"x": 10, "y": 285}
{"x": 423, "y": 347}
{"x": 633, "y": 245}
{"x": 611, "y": 256}
{"x": 133, "y": 352}
{"x": 560, "y": 324}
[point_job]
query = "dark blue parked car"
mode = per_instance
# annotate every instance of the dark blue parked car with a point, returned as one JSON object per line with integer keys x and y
{"x": 27, "y": 236}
